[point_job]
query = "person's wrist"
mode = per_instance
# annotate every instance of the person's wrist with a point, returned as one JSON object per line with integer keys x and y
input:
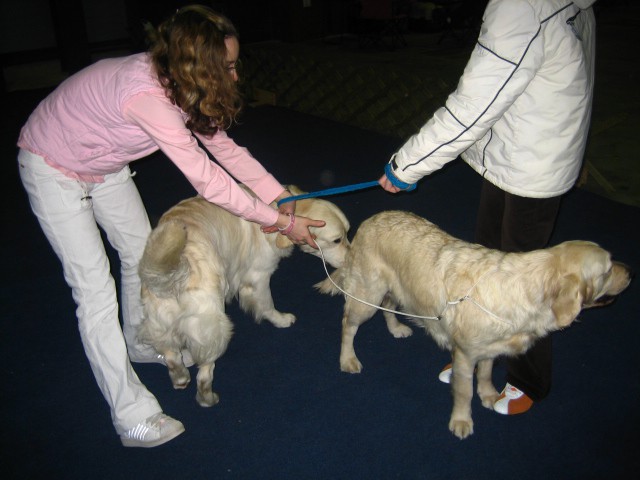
{"x": 285, "y": 194}
{"x": 289, "y": 227}
{"x": 282, "y": 221}
{"x": 395, "y": 181}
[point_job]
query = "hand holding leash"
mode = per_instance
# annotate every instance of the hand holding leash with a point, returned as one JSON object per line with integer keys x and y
{"x": 386, "y": 184}
{"x": 393, "y": 184}
{"x": 288, "y": 208}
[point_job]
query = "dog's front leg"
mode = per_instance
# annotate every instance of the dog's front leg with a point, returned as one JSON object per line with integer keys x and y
{"x": 461, "y": 424}
{"x": 256, "y": 297}
{"x": 348, "y": 360}
{"x": 355, "y": 314}
{"x": 486, "y": 390}
{"x": 397, "y": 329}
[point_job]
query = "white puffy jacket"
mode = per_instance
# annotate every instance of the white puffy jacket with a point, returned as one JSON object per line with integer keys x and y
{"x": 520, "y": 113}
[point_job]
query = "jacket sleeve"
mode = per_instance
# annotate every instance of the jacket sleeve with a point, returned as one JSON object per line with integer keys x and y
{"x": 242, "y": 165}
{"x": 501, "y": 66}
{"x": 164, "y": 123}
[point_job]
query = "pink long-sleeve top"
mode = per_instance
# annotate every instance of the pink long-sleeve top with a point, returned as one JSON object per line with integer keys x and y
{"x": 115, "y": 111}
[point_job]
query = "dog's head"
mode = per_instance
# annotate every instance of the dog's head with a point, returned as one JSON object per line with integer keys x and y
{"x": 332, "y": 238}
{"x": 583, "y": 276}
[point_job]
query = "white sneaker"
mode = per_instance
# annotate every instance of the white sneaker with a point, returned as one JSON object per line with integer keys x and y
{"x": 512, "y": 401}
{"x": 445, "y": 375}
{"x": 154, "y": 431}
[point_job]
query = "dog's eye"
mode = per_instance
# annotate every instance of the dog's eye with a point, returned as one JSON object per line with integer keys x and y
{"x": 337, "y": 240}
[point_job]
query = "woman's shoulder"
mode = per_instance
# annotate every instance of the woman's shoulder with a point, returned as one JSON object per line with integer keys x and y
{"x": 138, "y": 66}
{"x": 135, "y": 74}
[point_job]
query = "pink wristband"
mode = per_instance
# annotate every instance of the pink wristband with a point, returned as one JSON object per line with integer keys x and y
{"x": 287, "y": 230}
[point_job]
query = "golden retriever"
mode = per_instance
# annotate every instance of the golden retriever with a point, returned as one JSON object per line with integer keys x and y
{"x": 479, "y": 303}
{"x": 198, "y": 258}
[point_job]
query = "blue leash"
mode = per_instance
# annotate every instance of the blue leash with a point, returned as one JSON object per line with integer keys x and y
{"x": 329, "y": 191}
{"x": 350, "y": 188}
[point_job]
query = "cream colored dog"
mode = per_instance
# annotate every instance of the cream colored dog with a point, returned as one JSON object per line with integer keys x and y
{"x": 479, "y": 303}
{"x": 198, "y": 258}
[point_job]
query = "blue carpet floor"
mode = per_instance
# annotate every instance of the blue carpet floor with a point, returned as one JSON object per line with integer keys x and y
{"x": 286, "y": 411}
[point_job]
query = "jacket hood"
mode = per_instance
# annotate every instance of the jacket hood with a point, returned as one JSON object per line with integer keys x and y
{"x": 584, "y": 3}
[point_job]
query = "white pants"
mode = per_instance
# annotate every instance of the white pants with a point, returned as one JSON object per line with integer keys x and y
{"x": 69, "y": 213}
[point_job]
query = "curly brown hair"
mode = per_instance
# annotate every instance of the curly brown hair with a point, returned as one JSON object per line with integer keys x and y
{"x": 189, "y": 54}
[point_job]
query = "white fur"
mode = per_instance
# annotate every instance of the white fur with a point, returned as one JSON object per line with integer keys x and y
{"x": 399, "y": 260}
{"x": 198, "y": 258}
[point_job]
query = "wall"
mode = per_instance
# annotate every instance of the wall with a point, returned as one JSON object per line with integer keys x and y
{"x": 28, "y": 25}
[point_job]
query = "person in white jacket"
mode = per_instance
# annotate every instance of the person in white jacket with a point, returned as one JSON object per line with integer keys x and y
{"x": 520, "y": 117}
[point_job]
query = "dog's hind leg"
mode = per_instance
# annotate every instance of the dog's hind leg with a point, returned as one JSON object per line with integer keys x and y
{"x": 206, "y": 397}
{"x": 206, "y": 337}
{"x": 461, "y": 424}
{"x": 397, "y": 329}
{"x": 178, "y": 373}
{"x": 486, "y": 390}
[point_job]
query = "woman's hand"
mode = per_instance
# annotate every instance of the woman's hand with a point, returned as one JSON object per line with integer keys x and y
{"x": 297, "y": 229}
{"x": 387, "y": 185}
{"x": 300, "y": 233}
{"x": 288, "y": 208}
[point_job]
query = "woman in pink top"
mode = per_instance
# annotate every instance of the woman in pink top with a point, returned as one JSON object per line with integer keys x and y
{"x": 73, "y": 161}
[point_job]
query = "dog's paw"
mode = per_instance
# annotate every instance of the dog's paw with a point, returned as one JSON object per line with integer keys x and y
{"x": 489, "y": 400}
{"x": 283, "y": 320}
{"x": 180, "y": 377}
{"x": 207, "y": 399}
{"x": 401, "y": 331}
{"x": 351, "y": 365}
{"x": 461, "y": 428}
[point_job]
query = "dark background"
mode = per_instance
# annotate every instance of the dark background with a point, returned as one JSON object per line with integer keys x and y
{"x": 286, "y": 411}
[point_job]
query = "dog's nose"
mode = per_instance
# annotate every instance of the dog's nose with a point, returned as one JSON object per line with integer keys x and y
{"x": 630, "y": 273}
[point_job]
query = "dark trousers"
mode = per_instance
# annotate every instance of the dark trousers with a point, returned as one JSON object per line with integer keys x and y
{"x": 519, "y": 224}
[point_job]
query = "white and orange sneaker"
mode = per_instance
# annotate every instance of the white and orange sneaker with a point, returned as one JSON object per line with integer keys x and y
{"x": 512, "y": 401}
{"x": 445, "y": 375}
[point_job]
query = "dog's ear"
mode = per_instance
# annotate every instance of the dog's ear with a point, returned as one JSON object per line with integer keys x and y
{"x": 567, "y": 298}
{"x": 282, "y": 241}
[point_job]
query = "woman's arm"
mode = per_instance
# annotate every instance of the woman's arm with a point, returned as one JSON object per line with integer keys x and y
{"x": 164, "y": 123}
{"x": 504, "y": 61}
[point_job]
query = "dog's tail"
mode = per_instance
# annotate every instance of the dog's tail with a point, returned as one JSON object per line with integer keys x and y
{"x": 327, "y": 285}
{"x": 163, "y": 269}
